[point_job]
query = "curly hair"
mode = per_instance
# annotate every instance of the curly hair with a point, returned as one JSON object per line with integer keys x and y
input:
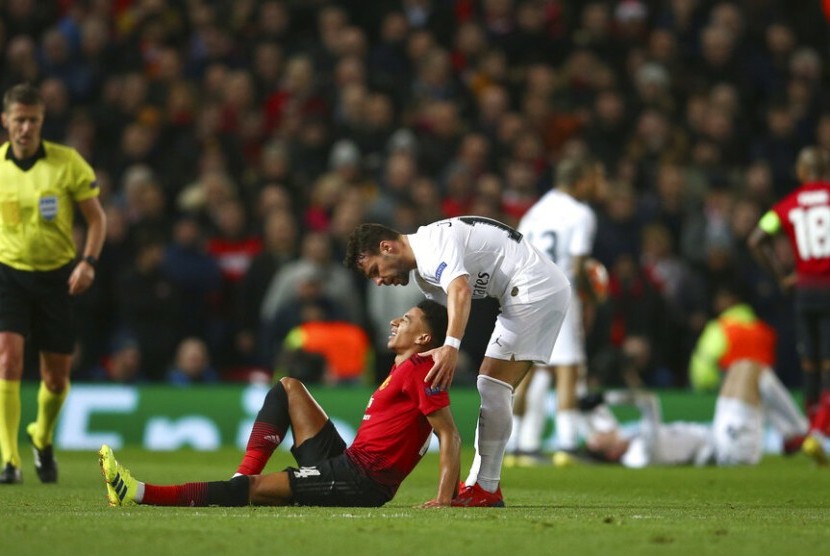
{"x": 365, "y": 240}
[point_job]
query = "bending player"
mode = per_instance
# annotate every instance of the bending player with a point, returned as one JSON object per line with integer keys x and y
{"x": 393, "y": 436}
{"x": 456, "y": 260}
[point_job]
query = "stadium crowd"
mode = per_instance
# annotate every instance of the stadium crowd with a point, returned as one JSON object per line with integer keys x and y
{"x": 237, "y": 143}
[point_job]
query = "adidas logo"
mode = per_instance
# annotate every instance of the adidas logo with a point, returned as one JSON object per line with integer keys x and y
{"x": 272, "y": 438}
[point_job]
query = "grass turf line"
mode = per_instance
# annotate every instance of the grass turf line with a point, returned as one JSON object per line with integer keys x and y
{"x": 780, "y": 506}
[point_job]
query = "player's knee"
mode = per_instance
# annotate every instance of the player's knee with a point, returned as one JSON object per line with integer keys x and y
{"x": 289, "y": 383}
{"x": 56, "y": 384}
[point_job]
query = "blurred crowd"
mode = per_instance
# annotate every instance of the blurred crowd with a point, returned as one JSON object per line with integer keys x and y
{"x": 238, "y": 142}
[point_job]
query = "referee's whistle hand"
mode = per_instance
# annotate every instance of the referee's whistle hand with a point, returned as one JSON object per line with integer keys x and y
{"x": 81, "y": 278}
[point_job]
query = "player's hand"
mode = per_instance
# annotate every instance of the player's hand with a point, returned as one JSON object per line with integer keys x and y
{"x": 787, "y": 283}
{"x": 82, "y": 277}
{"x": 436, "y": 503}
{"x": 445, "y": 359}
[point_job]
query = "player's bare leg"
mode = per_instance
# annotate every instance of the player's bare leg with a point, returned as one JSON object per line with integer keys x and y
{"x": 272, "y": 489}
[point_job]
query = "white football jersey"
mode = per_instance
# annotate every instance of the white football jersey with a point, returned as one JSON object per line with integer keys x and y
{"x": 561, "y": 227}
{"x": 676, "y": 443}
{"x": 497, "y": 259}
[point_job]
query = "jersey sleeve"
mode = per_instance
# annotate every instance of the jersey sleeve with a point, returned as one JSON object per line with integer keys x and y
{"x": 84, "y": 184}
{"x": 770, "y": 222}
{"x": 427, "y": 398}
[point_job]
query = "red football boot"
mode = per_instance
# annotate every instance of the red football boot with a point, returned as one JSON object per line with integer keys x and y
{"x": 476, "y": 497}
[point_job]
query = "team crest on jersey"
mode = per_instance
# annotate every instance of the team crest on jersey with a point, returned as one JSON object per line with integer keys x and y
{"x": 385, "y": 383}
{"x": 48, "y": 206}
{"x": 439, "y": 271}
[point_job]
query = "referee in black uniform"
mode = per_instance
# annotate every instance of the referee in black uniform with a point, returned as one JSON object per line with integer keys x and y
{"x": 40, "y": 184}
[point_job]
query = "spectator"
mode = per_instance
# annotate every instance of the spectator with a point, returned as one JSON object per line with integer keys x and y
{"x": 192, "y": 365}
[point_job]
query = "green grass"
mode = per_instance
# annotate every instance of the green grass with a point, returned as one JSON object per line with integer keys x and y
{"x": 779, "y": 507}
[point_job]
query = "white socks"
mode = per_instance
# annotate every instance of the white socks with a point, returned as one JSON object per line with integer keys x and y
{"x": 494, "y": 424}
{"x": 779, "y": 406}
{"x": 567, "y": 429}
{"x": 536, "y": 412}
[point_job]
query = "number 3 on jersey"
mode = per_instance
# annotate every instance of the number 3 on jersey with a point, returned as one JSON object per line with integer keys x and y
{"x": 812, "y": 231}
{"x": 552, "y": 240}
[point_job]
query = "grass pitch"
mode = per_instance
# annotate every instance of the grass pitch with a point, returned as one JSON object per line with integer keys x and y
{"x": 779, "y": 507}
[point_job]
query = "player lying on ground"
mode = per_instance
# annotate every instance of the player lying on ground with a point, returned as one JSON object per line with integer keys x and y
{"x": 749, "y": 394}
{"x": 393, "y": 436}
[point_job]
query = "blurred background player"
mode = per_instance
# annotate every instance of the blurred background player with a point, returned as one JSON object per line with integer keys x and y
{"x": 561, "y": 225}
{"x": 737, "y": 335}
{"x": 41, "y": 183}
{"x": 804, "y": 217}
{"x": 736, "y": 436}
{"x": 396, "y": 429}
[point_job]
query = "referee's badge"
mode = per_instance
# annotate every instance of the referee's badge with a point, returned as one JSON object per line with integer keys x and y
{"x": 48, "y": 207}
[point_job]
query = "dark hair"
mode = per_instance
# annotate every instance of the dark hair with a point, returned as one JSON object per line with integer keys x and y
{"x": 572, "y": 169}
{"x": 365, "y": 240}
{"x": 436, "y": 317}
{"x": 23, "y": 93}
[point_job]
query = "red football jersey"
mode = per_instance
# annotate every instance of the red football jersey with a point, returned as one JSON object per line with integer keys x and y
{"x": 805, "y": 217}
{"x": 395, "y": 433}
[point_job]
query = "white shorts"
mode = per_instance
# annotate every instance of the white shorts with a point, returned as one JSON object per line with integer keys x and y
{"x": 569, "y": 348}
{"x": 738, "y": 431}
{"x": 529, "y": 321}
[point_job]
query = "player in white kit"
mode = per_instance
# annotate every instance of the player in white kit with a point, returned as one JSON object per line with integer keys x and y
{"x": 454, "y": 261}
{"x": 750, "y": 394}
{"x": 562, "y": 226}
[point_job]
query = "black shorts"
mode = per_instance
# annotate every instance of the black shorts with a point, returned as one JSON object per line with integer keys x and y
{"x": 812, "y": 323}
{"x": 37, "y": 305}
{"x": 328, "y": 477}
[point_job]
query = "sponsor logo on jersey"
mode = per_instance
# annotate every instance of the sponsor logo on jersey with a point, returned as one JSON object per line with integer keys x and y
{"x": 440, "y": 270}
{"x": 48, "y": 206}
{"x": 480, "y": 285}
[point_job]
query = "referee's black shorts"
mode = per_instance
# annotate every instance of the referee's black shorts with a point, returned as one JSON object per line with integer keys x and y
{"x": 328, "y": 477}
{"x": 37, "y": 305}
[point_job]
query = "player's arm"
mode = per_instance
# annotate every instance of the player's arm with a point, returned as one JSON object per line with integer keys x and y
{"x": 449, "y": 441}
{"x": 96, "y": 222}
{"x": 459, "y": 298}
{"x": 760, "y": 243}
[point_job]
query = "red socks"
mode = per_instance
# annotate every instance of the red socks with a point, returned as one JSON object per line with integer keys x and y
{"x": 264, "y": 439}
{"x": 188, "y": 494}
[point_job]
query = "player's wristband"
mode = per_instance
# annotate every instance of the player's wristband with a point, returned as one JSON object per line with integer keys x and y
{"x": 452, "y": 342}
